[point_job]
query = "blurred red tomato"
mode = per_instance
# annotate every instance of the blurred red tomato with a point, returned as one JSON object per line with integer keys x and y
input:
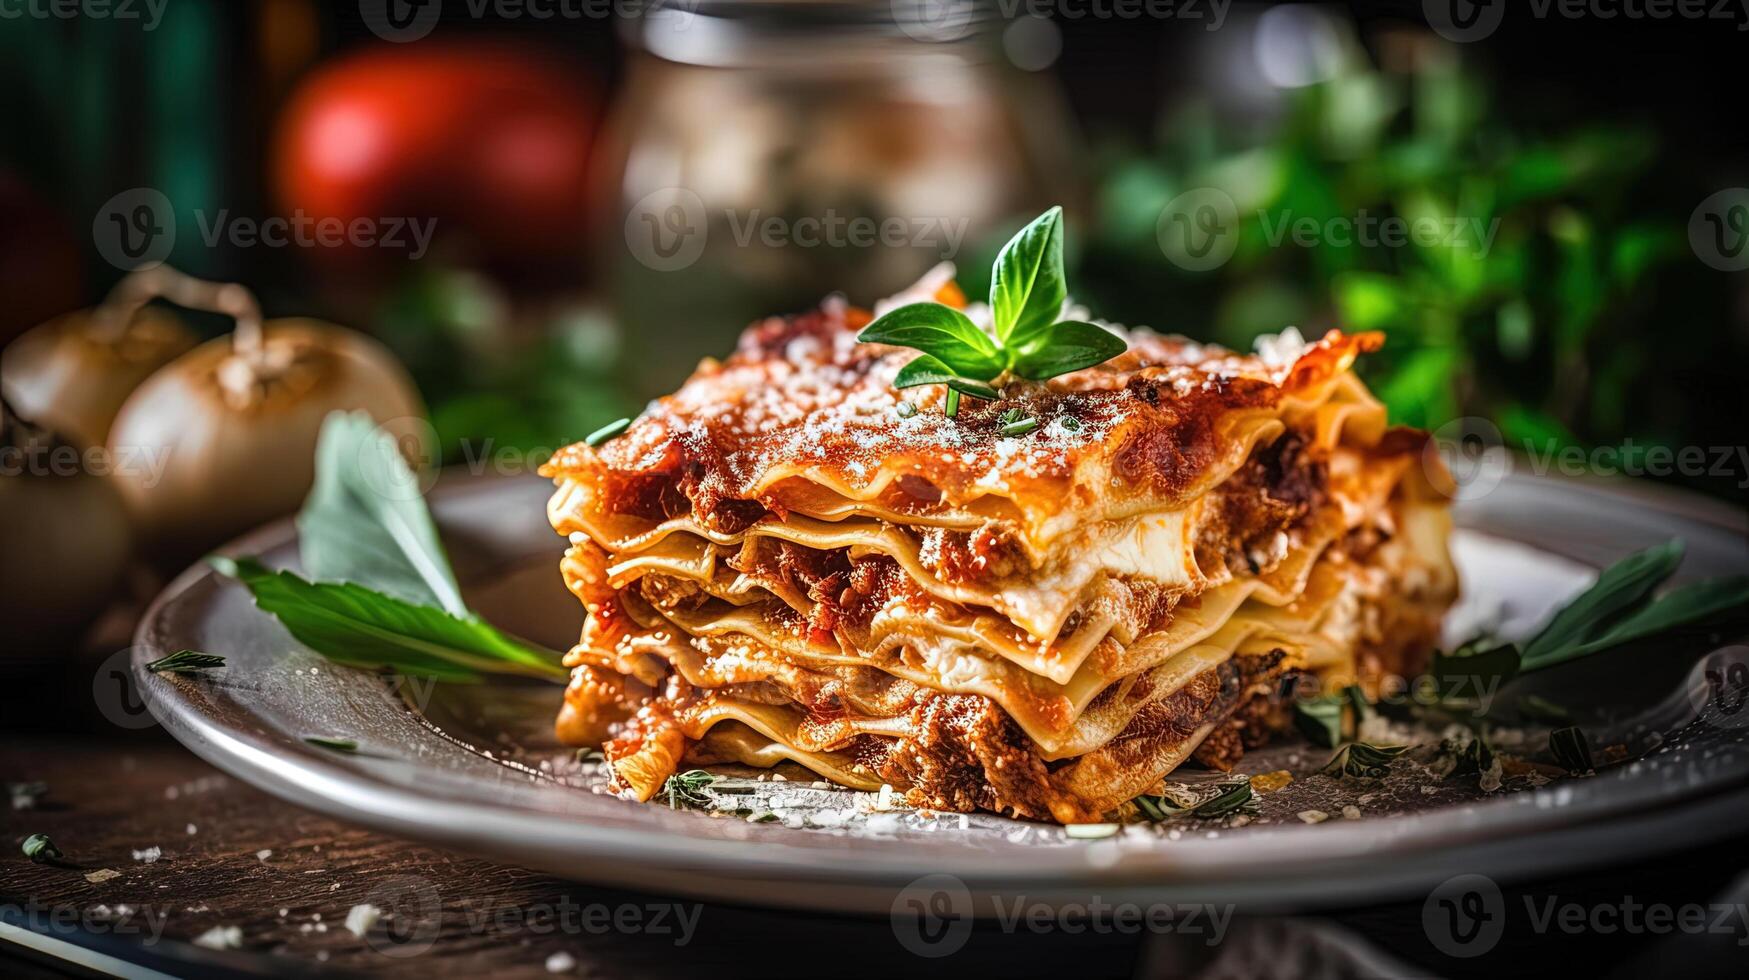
{"x": 489, "y": 141}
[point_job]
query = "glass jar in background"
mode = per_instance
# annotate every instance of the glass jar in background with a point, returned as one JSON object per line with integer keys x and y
{"x": 764, "y": 154}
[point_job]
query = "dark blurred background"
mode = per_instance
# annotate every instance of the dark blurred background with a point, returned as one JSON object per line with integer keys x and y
{"x": 546, "y": 211}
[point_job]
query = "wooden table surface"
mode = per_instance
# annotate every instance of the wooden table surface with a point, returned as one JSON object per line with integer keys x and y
{"x": 286, "y": 879}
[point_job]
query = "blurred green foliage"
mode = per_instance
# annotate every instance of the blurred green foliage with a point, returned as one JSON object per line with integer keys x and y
{"x": 1559, "y": 328}
{"x": 500, "y": 379}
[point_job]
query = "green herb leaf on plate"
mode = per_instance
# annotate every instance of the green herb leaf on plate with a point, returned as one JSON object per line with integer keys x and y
{"x": 366, "y": 522}
{"x": 358, "y": 627}
{"x": 1233, "y": 797}
{"x": 1475, "y": 671}
{"x": 1362, "y": 760}
{"x": 329, "y": 742}
{"x": 185, "y": 661}
{"x": 1320, "y": 720}
{"x": 1682, "y": 606}
{"x": 1571, "y": 750}
{"x": 1533, "y": 708}
{"x": 41, "y": 850}
{"x": 1620, "y": 588}
{"x": 688, "y": 790}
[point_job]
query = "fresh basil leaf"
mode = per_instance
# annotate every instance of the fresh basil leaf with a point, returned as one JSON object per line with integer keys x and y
{"x": 1233, "y": 797}
{"x": 1533, "y": 708}
{"x": 689, "y": 790}
{"x": 1072, "y": 345}
{"x": 1682, "y": 606}
{"x": 1027, "y": 284}
{"x": 1571, "y": 750}
{"x": 1470, "y": 673}
{"x": 1320, "y": 720}
{"x": 1363, "y": 760}
{"x": 927, "y": 370}
{"x": 358, "y": 627}
{"x": 41, "y": 850}
{"x": 365, "y": 520}
{"x": 1620, "y": 588}
{"x": 941, "y": 331}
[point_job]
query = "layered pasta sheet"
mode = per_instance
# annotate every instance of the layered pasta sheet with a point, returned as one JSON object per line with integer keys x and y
{"x": 782, "y": 564}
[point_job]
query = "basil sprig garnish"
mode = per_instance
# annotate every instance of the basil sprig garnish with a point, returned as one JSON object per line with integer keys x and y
{"x": 1027, "y": 289}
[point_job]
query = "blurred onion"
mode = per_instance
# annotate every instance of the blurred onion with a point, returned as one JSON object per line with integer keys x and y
{"x": 224, "y": 437}
{"x": 64, "y": 543}
{"x": 72, "y": 374}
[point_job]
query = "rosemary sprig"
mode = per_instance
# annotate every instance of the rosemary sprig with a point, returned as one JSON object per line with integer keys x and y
{"x": 185, "y": 661}
{"x": 1571, "y": 750}
{"x": 329, "y": 742}
{"x": 610, "y": 430}
{"x": 688, "y": 790}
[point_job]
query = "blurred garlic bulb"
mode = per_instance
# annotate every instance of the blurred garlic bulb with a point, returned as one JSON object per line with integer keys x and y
{"x": 224, "y": 437}
{"x": 64, "y": 543}
{"x": 71, "y": 374}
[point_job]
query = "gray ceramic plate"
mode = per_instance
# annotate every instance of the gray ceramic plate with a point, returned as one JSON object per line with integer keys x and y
{"x": 474, "y": 768}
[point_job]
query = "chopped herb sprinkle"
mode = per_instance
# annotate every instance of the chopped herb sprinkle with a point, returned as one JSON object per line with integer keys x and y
{"x": 185, "y": 660}
{"x": 608, "y": 431}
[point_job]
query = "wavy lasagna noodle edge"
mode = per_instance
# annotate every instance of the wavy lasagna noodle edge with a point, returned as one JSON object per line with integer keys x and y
{"x": 780, "y": 567}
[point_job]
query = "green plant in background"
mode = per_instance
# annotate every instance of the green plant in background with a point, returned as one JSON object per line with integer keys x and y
{"x": 1562, "y": 312}
{"x": 499, "y": 381}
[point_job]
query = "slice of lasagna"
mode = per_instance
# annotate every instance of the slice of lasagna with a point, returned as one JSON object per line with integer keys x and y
{"x": 788, "y": 559}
